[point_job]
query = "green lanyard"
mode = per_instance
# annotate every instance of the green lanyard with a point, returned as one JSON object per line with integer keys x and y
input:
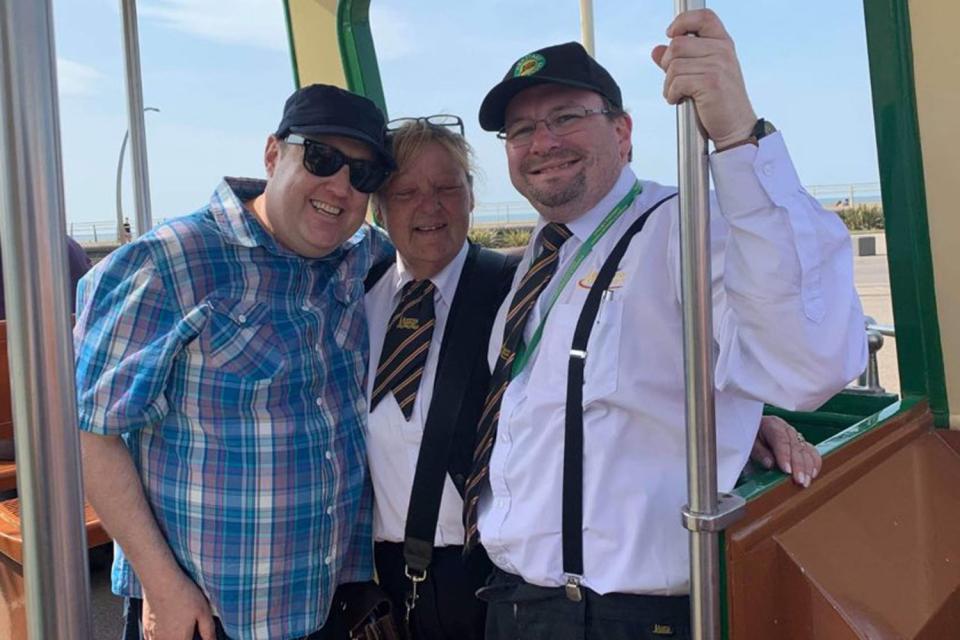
{"x": 524, "y": 352}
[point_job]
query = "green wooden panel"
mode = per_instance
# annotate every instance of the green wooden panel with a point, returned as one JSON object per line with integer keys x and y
{"x": 909, "y": 254}
{"x": 357, "y": 50}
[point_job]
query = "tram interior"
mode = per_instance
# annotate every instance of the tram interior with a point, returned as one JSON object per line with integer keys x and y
{"x": 870, "y": 550}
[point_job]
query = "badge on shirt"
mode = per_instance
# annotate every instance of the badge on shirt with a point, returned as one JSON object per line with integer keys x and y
{"x": 662, "y": 630}
{"x": 411, "y": 324}
{"x": 619, "y": 278}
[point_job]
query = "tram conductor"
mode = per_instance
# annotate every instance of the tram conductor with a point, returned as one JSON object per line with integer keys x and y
{"x": 588, "y": 344}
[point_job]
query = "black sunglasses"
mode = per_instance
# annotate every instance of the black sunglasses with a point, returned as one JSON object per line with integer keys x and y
{"x": 324, "y": 160}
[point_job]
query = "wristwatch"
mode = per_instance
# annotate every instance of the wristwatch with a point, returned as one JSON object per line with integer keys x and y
{"x": 760, "y": 130}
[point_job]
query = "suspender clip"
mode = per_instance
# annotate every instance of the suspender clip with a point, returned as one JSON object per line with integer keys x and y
{"x": 572, "y": 588}
{"x": 578, "y": 353}
{"x": 416, "y": 577}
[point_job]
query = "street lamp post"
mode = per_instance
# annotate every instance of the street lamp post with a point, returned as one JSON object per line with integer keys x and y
{"x": 122, "y": 234}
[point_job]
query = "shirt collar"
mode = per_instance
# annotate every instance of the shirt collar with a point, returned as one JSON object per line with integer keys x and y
{"x": 583, "y": 226}
{"x": 240, "y": 226}
{"x": 445, "y": 282}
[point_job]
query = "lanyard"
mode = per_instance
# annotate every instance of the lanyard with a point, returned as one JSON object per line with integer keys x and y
{"x": 524, "y": 351}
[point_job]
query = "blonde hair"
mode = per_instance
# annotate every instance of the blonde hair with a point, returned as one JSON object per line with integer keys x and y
{"x": 409, "y": 141}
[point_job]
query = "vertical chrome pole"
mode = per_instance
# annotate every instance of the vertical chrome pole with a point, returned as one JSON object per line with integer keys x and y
{"x": 33, "y": 232}
{"x": 138, "y": 137}
{"x": 694, "y": 183}
{"x": 586, "y": 26}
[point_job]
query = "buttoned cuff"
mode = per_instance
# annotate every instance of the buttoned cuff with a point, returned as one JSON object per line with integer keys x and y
{"x": 750, "y": 177}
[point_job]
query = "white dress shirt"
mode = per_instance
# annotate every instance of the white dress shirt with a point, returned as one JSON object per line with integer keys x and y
{"x": 393, "y": 443}
{"x": 788, "y": 330}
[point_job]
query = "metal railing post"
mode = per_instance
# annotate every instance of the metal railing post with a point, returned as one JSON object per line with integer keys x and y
{"x": 704, "y": 516}
{"x": 32, "y": 231}
{"x": 137, "y": 128}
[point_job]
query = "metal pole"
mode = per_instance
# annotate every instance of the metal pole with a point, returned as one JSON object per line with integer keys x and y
{"x": 586, "y": 26}
{"x": 694, "y": 183}
{"x": 138, "y": 138}
{"x": 32, "y": 230}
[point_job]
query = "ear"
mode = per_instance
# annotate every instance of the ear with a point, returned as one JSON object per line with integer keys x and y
{"x": 271, "y": 155}
{"x": 624, "y": 128}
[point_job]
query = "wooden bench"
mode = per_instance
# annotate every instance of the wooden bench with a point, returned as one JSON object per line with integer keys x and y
{"x": 8, "y": 468}
{"x": 12, "y": 592}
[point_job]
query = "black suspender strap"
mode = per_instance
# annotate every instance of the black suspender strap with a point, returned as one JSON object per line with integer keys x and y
{"x": 376, "y": 272}
{"x": 573, "y": 431}
{"x": 479, "y": 294}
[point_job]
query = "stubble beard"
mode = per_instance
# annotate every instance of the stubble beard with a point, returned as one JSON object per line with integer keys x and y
{"x": 553, "y": 198}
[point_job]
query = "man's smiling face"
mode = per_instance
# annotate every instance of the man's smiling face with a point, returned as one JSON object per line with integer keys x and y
{"x": 564, "y": 176}
{"x": 308, "y": 214}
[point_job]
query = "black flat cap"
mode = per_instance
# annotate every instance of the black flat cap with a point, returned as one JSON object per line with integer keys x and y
{"x": 324, "y": 109}
{"x": 567, "y": 64}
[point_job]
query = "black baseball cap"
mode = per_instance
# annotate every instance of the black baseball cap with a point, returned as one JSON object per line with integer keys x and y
{"x": 321, "y": 108}
{"x": 567, "y": 64}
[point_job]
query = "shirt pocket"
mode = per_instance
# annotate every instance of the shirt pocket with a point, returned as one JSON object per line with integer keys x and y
{"x": 240, "y": 340}
{"x": 601, "y": 374}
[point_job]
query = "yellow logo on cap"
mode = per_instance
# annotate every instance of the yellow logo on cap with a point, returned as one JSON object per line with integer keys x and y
{"x": 528, "y": 65}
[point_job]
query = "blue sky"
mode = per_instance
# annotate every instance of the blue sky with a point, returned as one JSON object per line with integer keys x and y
{"x": 219, "y": 72}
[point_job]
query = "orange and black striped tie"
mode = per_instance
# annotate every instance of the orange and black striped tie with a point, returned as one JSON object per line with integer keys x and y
{"x": 405, "y": 347}
{"x": 551, "y": 237}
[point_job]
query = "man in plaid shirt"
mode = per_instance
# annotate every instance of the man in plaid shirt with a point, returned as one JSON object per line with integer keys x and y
{"x": 221, "y": 366}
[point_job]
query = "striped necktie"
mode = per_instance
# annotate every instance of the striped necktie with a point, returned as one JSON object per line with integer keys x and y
{"x": 405, "y": 347}
{"x": 551, "y": 237}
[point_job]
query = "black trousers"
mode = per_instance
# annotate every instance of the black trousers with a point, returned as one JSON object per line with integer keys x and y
{"x": 132, "y": 630}
{"x": 446, "y": 608}
{"x": 517, "y": 610}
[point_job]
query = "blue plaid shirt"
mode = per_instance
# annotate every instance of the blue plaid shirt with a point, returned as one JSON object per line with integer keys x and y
{"x": 235, "y": 372}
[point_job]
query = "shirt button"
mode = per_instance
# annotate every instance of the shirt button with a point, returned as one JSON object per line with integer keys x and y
{"x": 329, "y": 511}
{"x": 328, "y": 560}
{"x": 767, "y": 169}
{"x": 305, "y": 307}
{"x": 501, "y": 503}
{"x": 242, "y": 318}
{"x": 319, "y": 402}
{"x": 329, "y": 455}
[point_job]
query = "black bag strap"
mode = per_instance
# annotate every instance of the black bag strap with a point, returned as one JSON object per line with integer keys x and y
{"x": 479, "y": 294}
{"x": 376, "y": 272}
{"x": 573, "y": 431}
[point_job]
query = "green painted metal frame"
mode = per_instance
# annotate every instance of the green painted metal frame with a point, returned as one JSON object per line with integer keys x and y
{"x": 909, "y": 254}
{"x": 292, "y": 49}
{"x": 357, "y": 51}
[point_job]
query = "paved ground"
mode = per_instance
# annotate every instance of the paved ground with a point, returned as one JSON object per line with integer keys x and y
{"x": 873, "y": 285}
{"x": 107, "y": 608}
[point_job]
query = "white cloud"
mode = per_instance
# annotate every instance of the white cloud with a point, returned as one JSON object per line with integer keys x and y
{"x": 76, "y": 79}
{"x": 393, "y": 33}
{"x": 258, "y": 23}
